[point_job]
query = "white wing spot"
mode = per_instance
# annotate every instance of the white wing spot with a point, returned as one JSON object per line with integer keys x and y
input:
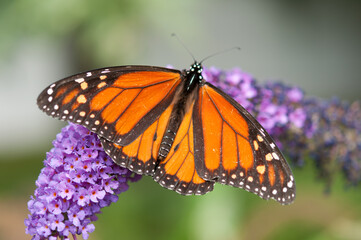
{"x": 275, "y": 156}
{"x": 66, "y": 111}
{"x": 88, "y": 74}
{"x": 284, "y": 189}
{"x": 79, "y": 80}
{"x": 274, "y": 192}
{"x": 272, "y": 145}
{"x": 264, "y": 188}
{"x": 290, "y": 184}
{"x": 50, "y": 91}
{"x": 56, "y": 107}
{"x": 50, "y": 99}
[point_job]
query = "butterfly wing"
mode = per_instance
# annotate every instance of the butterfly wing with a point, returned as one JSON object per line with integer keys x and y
{"x": 234, "y": 149}
{"x": 117, "y": 103}
{"x": 177, "y": 171}
{"x": 140, "y": 156}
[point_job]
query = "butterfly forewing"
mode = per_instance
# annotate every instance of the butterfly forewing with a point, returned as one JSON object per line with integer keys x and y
{"x": 232, "y": 148}
{"x": 117, "y": 103}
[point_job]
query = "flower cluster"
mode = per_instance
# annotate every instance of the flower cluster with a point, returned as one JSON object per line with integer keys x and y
{"x": 78, "y": 179}
{"x": 336, "y": 139}
{"x": 328, "y": 131}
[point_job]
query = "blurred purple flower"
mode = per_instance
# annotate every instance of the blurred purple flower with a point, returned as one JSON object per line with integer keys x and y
{"x": 77, "y": 181}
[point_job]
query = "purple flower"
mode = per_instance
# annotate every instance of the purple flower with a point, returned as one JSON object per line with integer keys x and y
{"x": 298, "y": 117}
{"x": 57, "y": 222}
{"x": 295, "y": 94}
{"x": 78, "y": 179}
{"x": 96, "y": 193}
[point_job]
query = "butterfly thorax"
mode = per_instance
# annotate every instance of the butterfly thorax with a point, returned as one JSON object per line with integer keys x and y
{"x": 184, "y": 99}
{"x": 194, "y": 76}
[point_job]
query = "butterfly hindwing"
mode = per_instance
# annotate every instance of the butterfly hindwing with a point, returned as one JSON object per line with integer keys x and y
{"x": 233, "y": 148}
{"x": 117, "y": 103}
{"x": 140, "y": 156}
{"x": 177, "y": 171}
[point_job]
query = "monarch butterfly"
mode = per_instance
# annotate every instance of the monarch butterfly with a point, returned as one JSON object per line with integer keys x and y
{"x": 174, "y": 126}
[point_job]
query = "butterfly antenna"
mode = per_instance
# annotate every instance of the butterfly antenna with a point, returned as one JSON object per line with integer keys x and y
{"x": 190, "y": 53}
{"x": 217, "y": 53}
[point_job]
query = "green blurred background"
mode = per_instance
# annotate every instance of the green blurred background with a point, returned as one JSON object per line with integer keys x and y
{"x": 312, "y": 44}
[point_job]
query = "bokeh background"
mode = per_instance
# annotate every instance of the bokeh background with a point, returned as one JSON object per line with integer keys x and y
{"x": 311, "y": 44}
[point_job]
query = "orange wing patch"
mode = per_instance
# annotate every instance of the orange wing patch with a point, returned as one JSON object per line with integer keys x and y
{"x": 136, "y": 79}
{"x": 140, "y": 156}
{"x": 140, "y": 106}
{"x": 70, "y": 96}
{"x": 177, "y": 171}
